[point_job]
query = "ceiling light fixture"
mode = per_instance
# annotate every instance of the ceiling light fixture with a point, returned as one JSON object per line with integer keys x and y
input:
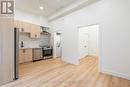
{"x": 41, "y": 7}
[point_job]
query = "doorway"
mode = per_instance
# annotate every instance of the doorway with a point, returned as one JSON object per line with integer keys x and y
{"x": 88, "y": 41}
{"x": 57, "y": 45}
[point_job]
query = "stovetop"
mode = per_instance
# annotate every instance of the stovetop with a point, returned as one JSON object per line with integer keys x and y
{"x": 46, "y": 47}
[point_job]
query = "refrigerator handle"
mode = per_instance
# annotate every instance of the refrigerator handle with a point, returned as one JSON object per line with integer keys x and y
{"x": 16, "y": 53}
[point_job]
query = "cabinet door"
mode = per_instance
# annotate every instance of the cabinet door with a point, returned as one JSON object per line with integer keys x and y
{"x": 25, "y": 55}
{"x": 26, "y": 27}
{"x": 17, "y": 24}
{"x": 35, "y": 31}
{"x": 28, "y": 55}
{"x": 33, "y": 35}
{"x": 22, "y": 55}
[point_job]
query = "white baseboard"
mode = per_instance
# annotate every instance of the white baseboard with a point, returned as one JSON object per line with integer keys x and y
{"x": 114, "y": 73}
{"x": 71, "y": 62}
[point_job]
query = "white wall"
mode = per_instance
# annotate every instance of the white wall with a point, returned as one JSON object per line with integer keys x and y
{"x": 113, "y": 17}
{"x": 92, "y": 40}
{"x": 31, "y": 18}
{"x": 69, "y": 40}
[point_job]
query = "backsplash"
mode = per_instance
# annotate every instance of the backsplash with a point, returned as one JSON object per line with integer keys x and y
{"x": 33, "y": 43}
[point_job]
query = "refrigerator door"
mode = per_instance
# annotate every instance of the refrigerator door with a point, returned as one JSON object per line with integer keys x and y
{"x": 16, "y": 53}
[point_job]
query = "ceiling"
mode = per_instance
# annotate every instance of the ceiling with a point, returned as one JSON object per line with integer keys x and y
{"x": 50, "y": 6}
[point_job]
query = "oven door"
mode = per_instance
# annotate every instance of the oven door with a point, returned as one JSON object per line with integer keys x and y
{"x": 47, "y": 52}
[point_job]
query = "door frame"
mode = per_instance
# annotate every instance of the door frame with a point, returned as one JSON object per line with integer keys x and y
{"x": 99, "y": 43}
{"x": 54, "y": 44}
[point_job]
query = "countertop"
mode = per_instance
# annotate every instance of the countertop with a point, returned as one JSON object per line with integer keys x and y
{"x": 29, "y": 48}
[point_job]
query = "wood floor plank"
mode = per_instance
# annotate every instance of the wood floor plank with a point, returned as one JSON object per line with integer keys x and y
{"x": 56, "y": 73}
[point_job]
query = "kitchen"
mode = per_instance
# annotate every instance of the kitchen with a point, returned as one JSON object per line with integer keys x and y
{"x": 48, "y": 43}
{"x": 34, "y": 43}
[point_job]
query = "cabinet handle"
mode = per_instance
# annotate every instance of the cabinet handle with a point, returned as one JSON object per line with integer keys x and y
{"x": 24, "y": 51}
{"x": 35, "y": 35}
{"x": 22, "y": 29}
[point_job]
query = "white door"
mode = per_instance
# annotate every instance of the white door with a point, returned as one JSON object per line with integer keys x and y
{"x": 58, "y": 46}
{"x": 83, "y": 43}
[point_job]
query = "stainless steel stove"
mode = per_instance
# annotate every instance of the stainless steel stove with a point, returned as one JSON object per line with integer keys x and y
{"x": 44, "y": 52}
{"x": 47, "y": 52}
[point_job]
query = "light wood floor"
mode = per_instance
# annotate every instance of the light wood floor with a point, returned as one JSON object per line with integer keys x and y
{"x": 55, "y": 73}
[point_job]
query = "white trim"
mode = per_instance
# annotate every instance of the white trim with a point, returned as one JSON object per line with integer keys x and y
{"x": 71, "y": 8}
{"x": 99, "y": 43}
{"x": 100, "y": 47}
{"x": 54, "y": 45}
{"x": 70, "y": 62}
{"x": 117, "y": 74}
